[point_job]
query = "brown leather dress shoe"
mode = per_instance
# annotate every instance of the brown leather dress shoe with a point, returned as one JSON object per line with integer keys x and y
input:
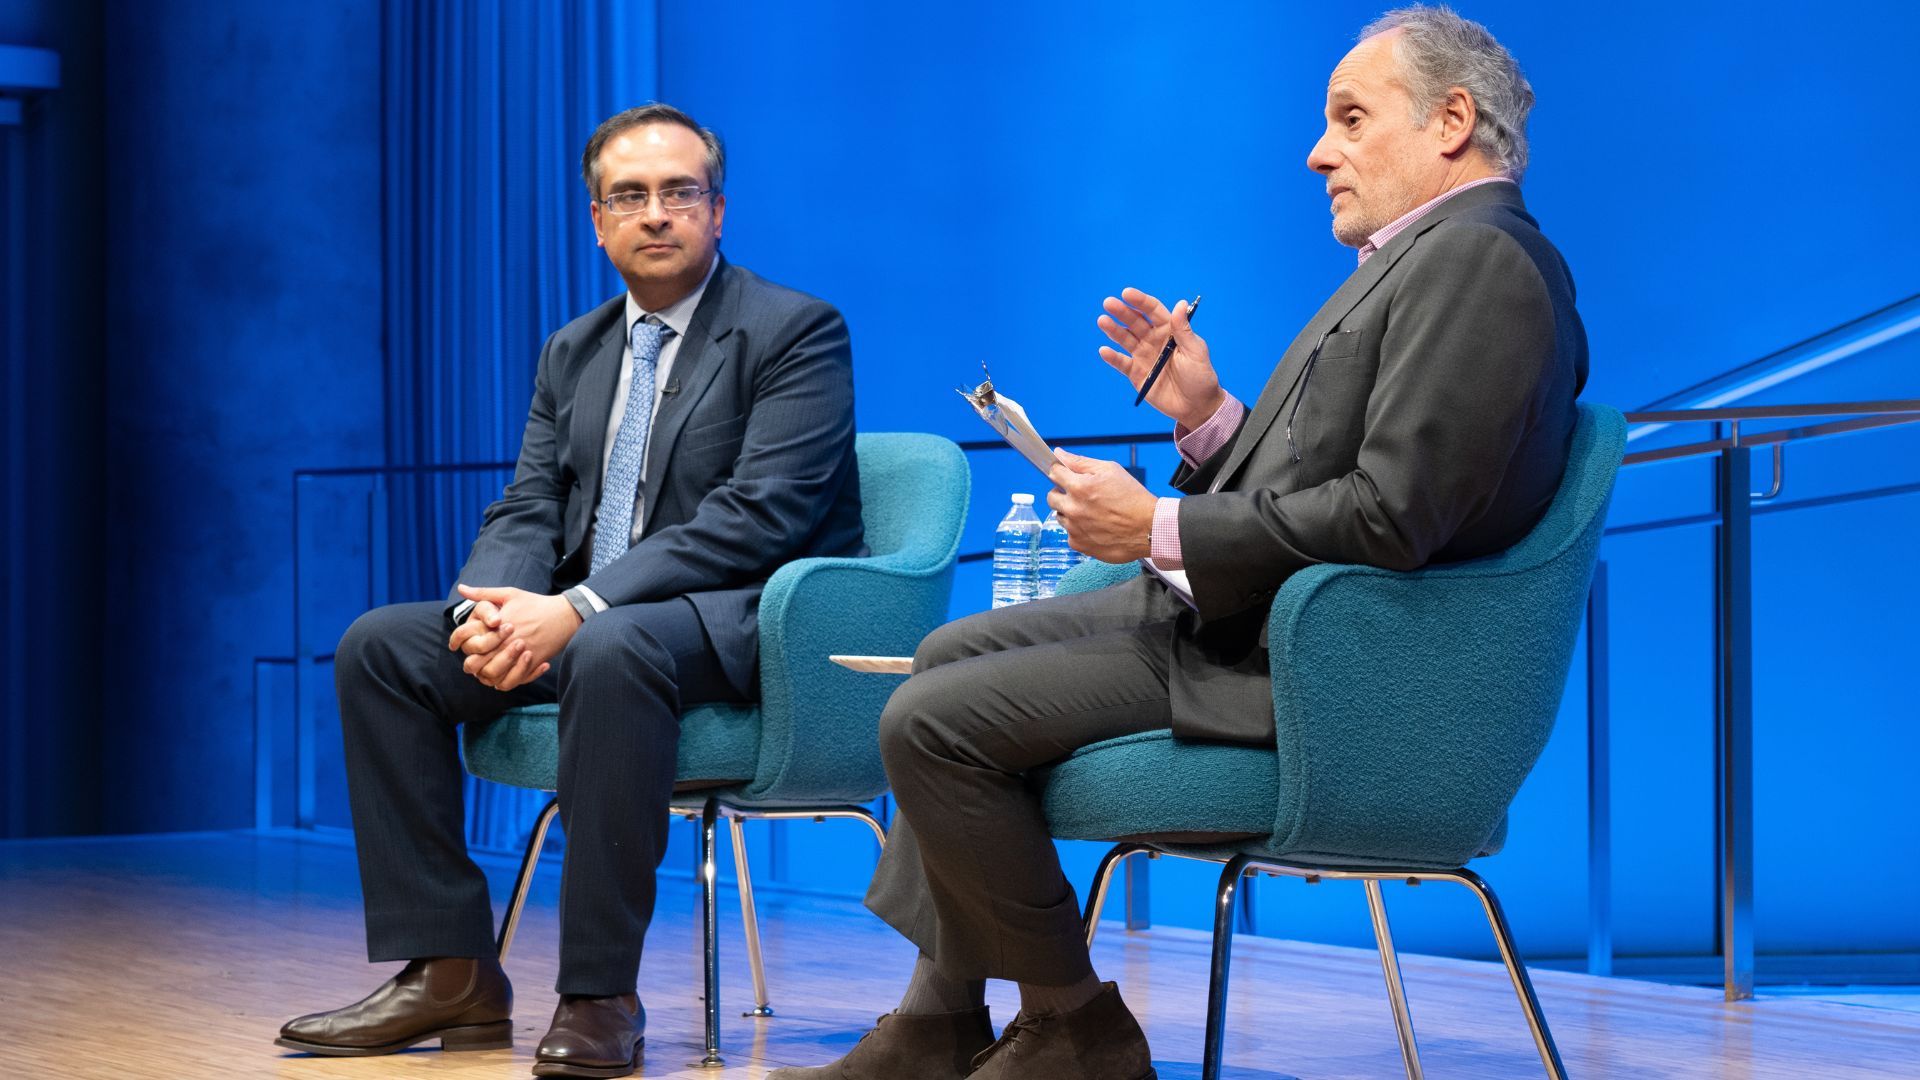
{"x": 466, "y": 1004}
{"x": 908, "y": 1046}
{"x": 1097, "y": 1041}
{"x": 593, "y": 1036}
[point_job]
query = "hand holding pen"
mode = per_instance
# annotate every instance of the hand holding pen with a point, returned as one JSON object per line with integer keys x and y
{"x": 1158, "y": 352}
{"x": 1166, "y": 351}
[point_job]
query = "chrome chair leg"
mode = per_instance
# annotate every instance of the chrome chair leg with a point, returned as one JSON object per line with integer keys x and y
{"x": 1390, "y": 967}
{"x": 1517, "y": 971}
{"x": 862, "y": 814}
{"x": 737, "y": 818}
{"x": 710, "y": 934}
{"x": 1102, "y": 879}
{"x": 523, "y": 884}
{"x": 749, "y": 918}
{"x": 1225, "y": 901}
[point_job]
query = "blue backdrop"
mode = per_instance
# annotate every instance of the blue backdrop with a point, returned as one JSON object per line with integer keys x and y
{"x": 245, "y": 240}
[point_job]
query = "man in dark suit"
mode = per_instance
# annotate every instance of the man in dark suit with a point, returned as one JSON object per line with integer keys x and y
{"x": 685, "y": 439}
{"x": 1423, "y": 415}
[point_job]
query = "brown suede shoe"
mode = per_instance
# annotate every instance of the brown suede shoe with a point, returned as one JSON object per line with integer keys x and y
{"x": 908, "y": 1046}
{"x": 593, "y": 1036}
{"x": 1097, "y": 1041}
{"x": 466, "y": 1004}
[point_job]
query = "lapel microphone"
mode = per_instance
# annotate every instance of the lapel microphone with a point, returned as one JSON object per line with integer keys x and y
{"x": 672, "y": 387}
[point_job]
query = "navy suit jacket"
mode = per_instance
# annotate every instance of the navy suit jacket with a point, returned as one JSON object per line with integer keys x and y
{"x": 750, "y": 463}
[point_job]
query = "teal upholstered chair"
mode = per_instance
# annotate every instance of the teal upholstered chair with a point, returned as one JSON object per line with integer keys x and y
{"x": 809, "y": 749}
{"x": 1408, "y": 708}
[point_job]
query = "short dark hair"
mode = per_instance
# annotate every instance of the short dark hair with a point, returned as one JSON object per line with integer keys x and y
{"x": 651, "y": 113}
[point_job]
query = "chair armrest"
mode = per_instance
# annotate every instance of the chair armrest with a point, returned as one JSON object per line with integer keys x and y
{"x": 820, "y": 722}
{"x": 1093, "y": 574}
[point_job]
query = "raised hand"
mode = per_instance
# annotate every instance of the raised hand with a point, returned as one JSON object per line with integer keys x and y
{"x": 1188, "y": 391}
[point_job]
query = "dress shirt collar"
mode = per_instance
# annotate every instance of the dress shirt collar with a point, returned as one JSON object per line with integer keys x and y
{"x": 678, "y": 315}
{"x": 1379, "y": 240}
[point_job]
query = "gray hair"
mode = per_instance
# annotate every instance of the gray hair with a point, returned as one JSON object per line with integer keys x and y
{"x": 640, "y": 116}
{"x": 1438, "y": 50}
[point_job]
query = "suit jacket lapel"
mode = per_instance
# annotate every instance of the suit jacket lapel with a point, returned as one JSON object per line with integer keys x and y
{"x": 593, "y": 402}
{"x": 1355, "y": 289}
{"x": 694, "y": 367}
{"x": 1267, "y": 407}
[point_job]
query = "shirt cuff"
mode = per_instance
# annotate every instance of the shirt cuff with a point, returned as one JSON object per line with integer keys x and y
{"x": 1164, "y": 547}
{"x": 1206, "y": 440}
{"x": 592, "y": 598}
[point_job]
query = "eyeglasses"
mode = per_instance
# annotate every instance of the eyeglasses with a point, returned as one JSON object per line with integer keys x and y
{"x": 635, "y": 202}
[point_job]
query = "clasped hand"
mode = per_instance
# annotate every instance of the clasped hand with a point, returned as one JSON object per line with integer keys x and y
{"x": 511, "y": 636}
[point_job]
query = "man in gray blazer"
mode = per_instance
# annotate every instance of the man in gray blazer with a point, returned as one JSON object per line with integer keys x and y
{"x": 685, "y": 439}
{"x": 1423, "y": 415}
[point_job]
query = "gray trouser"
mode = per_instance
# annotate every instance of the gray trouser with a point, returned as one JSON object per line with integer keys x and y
{"x": 970, "y": 874}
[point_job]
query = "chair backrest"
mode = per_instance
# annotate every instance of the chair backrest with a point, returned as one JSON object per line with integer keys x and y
{"x": 1409, "y": 707}
{"x": 907, "y": 485}
{"x": 818, "y": 737}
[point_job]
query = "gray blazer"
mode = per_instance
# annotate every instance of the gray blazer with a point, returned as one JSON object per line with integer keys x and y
{"x": 750, "y": 463}
{"x": 1434, "y": 427}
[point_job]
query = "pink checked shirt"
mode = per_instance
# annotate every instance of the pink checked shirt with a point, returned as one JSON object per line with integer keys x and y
{"x": 1200, "y": 444}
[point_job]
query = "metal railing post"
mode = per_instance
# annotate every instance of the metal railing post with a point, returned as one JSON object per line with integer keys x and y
{"x": 1733, "y": 715}
{"x": 1599, "y": 779}
{"x": 305, "y": 767}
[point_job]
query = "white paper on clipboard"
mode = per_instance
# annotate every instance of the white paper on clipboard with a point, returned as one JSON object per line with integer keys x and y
{"x": 876, "y": 665}
{"x": 1004, "y": 415}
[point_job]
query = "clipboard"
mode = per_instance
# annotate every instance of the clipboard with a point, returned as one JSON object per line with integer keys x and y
{"x": 1004, "y": 415}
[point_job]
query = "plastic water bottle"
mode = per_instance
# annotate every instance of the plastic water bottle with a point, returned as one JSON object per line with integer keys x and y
{"x": 1014, "y": 544}
{"x": 1056, "y": 557}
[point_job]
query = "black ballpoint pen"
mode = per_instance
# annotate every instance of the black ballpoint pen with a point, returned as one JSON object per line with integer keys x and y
{"x": 1166, "y": 353}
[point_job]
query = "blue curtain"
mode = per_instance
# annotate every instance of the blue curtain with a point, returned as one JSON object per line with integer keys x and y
{"x": 488, "y": 250}
{"x": 54, "y": 525}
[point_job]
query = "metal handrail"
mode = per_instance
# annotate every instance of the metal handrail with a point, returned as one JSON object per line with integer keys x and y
{"x": 1859, "y": 416}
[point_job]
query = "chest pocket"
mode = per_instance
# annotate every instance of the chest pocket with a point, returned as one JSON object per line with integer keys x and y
{"x": 708, "y": 436}
{"x": 1341, "y": 345}
{"x": 1331, "y": 414}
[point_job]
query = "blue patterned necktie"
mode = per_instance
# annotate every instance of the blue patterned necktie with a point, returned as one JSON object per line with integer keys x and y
{"x": 613, "y": 525}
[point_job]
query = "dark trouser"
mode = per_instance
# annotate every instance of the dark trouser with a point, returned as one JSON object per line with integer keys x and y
{"x": 970, "y": 874}
{"x": 620, "y": 683}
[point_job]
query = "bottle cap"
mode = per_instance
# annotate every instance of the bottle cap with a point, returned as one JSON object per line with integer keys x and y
{"x": 1022, "y": 499}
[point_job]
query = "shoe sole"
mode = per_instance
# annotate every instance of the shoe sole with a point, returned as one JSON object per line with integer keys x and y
{"x": 495, "y": 1036}
{"x": 556, "y": 1068}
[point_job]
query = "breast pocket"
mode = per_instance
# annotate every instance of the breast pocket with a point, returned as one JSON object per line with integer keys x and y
{"x": 1330, "y": 417}
{"x": 1341, "y": 345}
{"x": 706, "y": 437}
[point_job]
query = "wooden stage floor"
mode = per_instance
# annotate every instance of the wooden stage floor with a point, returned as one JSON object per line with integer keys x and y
{"x": 179, "y": 957}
